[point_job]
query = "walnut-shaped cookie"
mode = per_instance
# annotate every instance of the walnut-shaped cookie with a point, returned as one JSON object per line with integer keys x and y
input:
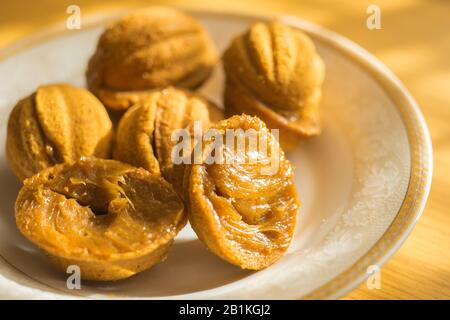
{"x": 109, "y": 218}
{"x": 149, "y": 49}
{"x": 244, "y": 205}
{"x": 57, "y": 123}
{"x": 274, "y": 72}
{"x": 144, "y": 135}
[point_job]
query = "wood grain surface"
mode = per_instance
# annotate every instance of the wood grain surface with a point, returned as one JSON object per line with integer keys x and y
{"x": 414, "y": 42}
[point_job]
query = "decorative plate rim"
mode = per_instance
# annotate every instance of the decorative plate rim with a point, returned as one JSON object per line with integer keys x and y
{"x": 419, "y": 139}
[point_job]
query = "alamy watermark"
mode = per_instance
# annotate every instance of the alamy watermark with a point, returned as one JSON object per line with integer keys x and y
{"x": 374, "y": 19}
{"x": 374, "y": 279}
{"x": 73, "y": 281}
{"x": 73, "y": 22}
{"x": 232, "y": 146}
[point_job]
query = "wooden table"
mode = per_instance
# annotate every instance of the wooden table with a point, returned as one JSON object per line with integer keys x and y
{"x": 414, "y": 42}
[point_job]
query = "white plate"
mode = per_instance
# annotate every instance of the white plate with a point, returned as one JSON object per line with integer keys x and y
{"x": 363, "y": 183}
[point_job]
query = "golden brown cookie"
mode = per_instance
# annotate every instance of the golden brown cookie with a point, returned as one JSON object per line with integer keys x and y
{"x": 110, "y": 219}
{"x": 273, "y": 72}
{"x": 144, "y": 132}
{"x": 244, "y": 208}
{"x": 149, "y": 49}
{"x": 57, "y": 123}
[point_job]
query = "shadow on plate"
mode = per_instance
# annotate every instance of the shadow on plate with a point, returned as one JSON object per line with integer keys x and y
{"x": 189, "y": 268}
{"x": 9, "y": 188}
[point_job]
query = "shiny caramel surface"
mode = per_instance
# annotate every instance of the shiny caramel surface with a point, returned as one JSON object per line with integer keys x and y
{"x": 98, "y": 210}
{"x": 241, "y": 214}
